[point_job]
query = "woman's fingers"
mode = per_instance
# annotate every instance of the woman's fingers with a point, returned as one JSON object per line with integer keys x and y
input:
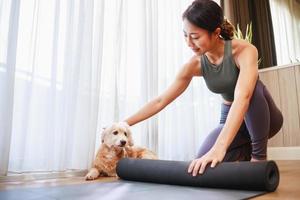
{"x": 191, "y": 167}
{"x": 196, "y": 167}
{"x": 214, "y": 163}
{"x": 203, "y": 165}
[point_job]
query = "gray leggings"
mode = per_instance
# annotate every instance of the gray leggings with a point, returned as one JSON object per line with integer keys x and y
{"x": 261, "y": 122}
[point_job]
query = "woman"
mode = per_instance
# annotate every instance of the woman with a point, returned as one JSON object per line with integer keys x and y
{"x": 249, "y": 116}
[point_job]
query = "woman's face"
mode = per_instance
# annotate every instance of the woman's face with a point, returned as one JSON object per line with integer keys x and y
{"x": 198, "y": 39}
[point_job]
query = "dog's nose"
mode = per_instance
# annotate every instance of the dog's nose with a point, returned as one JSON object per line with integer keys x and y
{"x": 123, "y": 142}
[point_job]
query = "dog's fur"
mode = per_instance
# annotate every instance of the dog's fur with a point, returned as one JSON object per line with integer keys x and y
{"x": 116, "y": 144}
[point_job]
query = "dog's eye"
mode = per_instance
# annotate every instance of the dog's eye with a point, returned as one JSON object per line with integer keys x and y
{"x": 125, "y": 134}
{"x": 115, "y": 132}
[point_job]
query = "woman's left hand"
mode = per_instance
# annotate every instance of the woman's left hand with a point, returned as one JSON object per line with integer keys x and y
{"x": 213, "y": 156}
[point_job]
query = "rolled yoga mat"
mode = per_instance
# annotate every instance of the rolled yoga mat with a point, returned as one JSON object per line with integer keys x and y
{"x": 256, "y": 176}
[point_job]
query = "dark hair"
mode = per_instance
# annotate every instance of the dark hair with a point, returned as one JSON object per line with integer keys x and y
{"x": 208, "y": 15}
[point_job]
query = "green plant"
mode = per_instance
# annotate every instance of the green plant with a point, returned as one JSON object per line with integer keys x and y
{"x": 239, "y": 35}
{"x": 248, "y": 36}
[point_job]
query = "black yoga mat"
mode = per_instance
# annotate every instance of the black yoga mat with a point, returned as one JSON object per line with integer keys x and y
{"x": 259, "y": 176}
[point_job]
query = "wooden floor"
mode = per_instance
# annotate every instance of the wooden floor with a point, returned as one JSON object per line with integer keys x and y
{"x": 289, "y": 186}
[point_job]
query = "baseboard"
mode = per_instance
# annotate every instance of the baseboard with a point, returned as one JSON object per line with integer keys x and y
{"x": 283, "y": 153}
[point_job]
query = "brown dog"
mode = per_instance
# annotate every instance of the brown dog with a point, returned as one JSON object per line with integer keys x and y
{"x": 116, "y": 144}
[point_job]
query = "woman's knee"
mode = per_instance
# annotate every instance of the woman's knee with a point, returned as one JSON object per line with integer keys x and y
{"x": 276, "y": 117}
{"x": 276, "y": 124}
{"x": 257, "y": 117}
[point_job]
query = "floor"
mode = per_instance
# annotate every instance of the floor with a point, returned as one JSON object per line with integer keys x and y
{"x": 289, "y": 186}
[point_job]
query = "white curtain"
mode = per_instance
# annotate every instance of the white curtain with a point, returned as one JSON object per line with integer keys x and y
{"x": 68, "y": 68}
{"x": 50, "y": 83}
{"x": 286, "y": 25}
{"x": 8, "y": 15}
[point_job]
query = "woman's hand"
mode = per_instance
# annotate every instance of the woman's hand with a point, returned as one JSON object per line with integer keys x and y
{"x": 213, "y": 156}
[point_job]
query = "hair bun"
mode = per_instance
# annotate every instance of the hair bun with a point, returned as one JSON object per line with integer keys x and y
{"x": 227, "y": 30}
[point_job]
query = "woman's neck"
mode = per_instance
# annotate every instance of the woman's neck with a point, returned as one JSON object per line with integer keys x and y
{"x": 216, "y": 54}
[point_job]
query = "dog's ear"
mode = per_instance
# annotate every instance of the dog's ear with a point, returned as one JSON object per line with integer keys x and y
{"x": 102, "y": 137}
{"x": 104, "y": 131}
{"x": 130, "y": 140}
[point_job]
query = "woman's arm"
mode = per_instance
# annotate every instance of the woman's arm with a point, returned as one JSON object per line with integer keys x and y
{"x": 181, "y": 82}
{"x": 247, "y": 60}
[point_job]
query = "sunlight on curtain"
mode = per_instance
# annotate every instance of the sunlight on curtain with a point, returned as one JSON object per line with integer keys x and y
{"x": 56, "y": 85}
{"x": 286, "y": 25}
{"x": 4, "y": 21}
{"x": 8, "y": 14}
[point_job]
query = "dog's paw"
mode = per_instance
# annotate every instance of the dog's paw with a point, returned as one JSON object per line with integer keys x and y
{"x": 92, "y": 175}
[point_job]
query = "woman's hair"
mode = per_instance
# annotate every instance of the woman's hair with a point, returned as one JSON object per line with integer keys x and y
{"x": 208, "y": 15}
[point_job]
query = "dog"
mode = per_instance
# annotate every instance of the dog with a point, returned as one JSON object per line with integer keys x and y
{"x": 116, "y": 144}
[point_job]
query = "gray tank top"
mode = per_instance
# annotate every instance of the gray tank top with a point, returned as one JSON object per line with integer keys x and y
{"x": 221, "y": 78}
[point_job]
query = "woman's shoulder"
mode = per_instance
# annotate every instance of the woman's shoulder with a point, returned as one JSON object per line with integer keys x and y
{"x": 193, "y": 65}
{"x": 239, "y": 45}
{"x": 194, "y": 60}
{"x": 242, "y": 47}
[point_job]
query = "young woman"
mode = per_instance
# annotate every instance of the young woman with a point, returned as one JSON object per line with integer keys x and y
{"x": 249, "y": 116}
